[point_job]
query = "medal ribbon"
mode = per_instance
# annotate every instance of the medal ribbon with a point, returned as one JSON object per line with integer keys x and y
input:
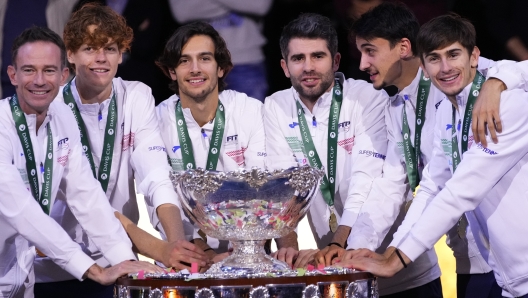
{"x": 455, "y": 153}
{"x": 328, "y": 183}
{"x": 31, "y": 167}
{"x": 105, "y": 164}
{"x": 474, "y": 92}
{"x": 412, "y": 154}
{"x": 186, "y": 144}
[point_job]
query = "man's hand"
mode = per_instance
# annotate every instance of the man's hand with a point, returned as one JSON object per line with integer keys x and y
{"x": 181, "y": 254}
{"x": 295, "y": 258}
{"x": 379, "y": 265}
{"x": 486, "y": 111}
{"x": 107, "y": 276}
{"x": 329, "y": 254}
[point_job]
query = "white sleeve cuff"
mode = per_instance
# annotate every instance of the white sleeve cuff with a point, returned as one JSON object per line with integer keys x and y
{"x": 119, "y": 253}
{"x": 348, "y": 219}
{"x": 412, "y": 248}
{"x": 360, "y": 241}
{"x": 78, "y": 264}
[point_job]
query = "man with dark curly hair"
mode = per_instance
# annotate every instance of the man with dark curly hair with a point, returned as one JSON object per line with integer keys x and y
{"x": 122, "y": 142}
{"x": 222, "y": 127}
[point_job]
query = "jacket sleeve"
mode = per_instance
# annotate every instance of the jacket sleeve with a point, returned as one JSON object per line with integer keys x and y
{"x": 381, "y": 209}
{"x": 513, "y": 74}
{"x": 279, "y": 154}
{"x": 255, "y": 153}
{"x": 434, "y": 176}
{"x": 20, "y": 210}
{"x": 473, "y": 178}
{"x": 369, "y": 151}
{"x": 149, "y": 158}
{"x": 91, "y": 208}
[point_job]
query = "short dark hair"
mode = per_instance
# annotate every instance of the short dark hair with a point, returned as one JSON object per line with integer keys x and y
{"x": 443, "y": 31}
{"x": 34, "y": 34}
{"x": 173, "y": 49}
{"x": 311, "y": 26}
{"x": 390, "y": 21}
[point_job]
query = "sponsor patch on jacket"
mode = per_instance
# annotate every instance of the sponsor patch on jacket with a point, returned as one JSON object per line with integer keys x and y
{"x": 486, "y": 150}
{"x": 63, "y": 144}
{"x": 157, "y": 148}
{"x": 62, "y": 160}
{"x": 175, "y": 148}
{"x": 370, "y": 153}
{"x": 128, "y": 141}
{"x": 344, "y": 126}
{"x": 238, "y": 156}
{"x": 295, "y": 144}
{"x": 232, "y": 139}
{"x": 347, "y": 144}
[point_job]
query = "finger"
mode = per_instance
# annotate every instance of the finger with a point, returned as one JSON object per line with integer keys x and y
{"x": 281, "y": 255}
{"x": 304, "y": 258}
{"x": 498, "y": 122}
{"x": 481, "y": 131}
{"x": 290, "y": 256}
{"x": 319, "y": 258}
{"x": 190, "y": 246}
{"x": 490, "y": 126}
{"x": 330, "y": 256}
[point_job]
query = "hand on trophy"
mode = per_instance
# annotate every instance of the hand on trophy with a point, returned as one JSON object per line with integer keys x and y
{"x": 295, "y": 258}
{"x": 181, "y": 253}
{"x": 382, "y": 265}
{"x": 107, "y": 276}
{"x": 329, "y": 255}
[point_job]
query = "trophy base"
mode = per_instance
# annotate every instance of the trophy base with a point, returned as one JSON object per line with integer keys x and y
{"x": 249, "y": 258}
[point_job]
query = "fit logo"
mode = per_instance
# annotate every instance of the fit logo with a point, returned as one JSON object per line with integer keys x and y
{"x": 232, "y": 138}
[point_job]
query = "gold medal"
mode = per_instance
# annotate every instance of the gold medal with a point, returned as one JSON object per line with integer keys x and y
{"x": 462, "y": 227}
{"x": 332, "y": 222}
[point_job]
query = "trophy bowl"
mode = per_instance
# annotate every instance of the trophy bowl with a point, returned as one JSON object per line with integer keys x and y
{"x": 247, "y": 208}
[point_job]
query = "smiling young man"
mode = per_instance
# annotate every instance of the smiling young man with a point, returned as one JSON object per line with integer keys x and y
{"x": 121, "y": 140}
{"x": 386, "y": 38}
{"x": 40, "y": 155}
{"x": 325, "y": 121}
{"x": 203, "y": 125}
{"x": 458, "y": 181}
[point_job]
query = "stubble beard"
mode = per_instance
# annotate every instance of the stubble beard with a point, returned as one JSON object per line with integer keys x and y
{"x": 313, "y": 94}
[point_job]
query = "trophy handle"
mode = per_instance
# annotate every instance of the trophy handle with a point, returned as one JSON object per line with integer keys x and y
{"x": 156, "y": 293}
{"x": 204, "y": 293}
{"x": 259, "y": 292}
{"x": 311, "y": 291}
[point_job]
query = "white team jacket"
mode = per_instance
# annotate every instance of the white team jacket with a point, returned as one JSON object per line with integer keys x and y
{"x": 23, "y": 223}
{"x": 243, "y": 144}
{"x": 489, "y": 185}
{"x": 513, "y": 74}
{"x": 362, "y": 145}
{"x": 139, "y": 154}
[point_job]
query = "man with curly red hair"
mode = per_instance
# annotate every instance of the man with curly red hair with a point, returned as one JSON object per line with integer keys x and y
{"x": 122, "y": 142}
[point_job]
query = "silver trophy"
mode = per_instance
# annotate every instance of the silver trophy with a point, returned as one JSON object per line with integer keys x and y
{"x": 247, "y": 208}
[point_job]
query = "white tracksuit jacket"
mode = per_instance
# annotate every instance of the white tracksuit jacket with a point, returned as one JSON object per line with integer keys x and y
{"x": 489, "y": 185}
{"x": 139, "y": 154}
{"x": 24, "y": 225}
{"x": 362, "y": 145}
{"x": 243, "y": 144}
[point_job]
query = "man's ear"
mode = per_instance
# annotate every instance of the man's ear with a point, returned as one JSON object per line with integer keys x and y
{"x": 284, "y": 66}
{"x": 11, "y": 73}
{"x": 337, "y": 60}
{"x": 172, "y": 73}
{"x": 473, "y": 59}
{"x": 65, "y": 75}
{"x": 426, "y": 74}
{"x": 405, "y": 49}
{"x": 220, "y": 72}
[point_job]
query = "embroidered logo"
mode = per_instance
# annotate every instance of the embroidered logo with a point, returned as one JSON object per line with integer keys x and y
{"x": 347, "y": 144}
{"x": 238, "y": 156}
